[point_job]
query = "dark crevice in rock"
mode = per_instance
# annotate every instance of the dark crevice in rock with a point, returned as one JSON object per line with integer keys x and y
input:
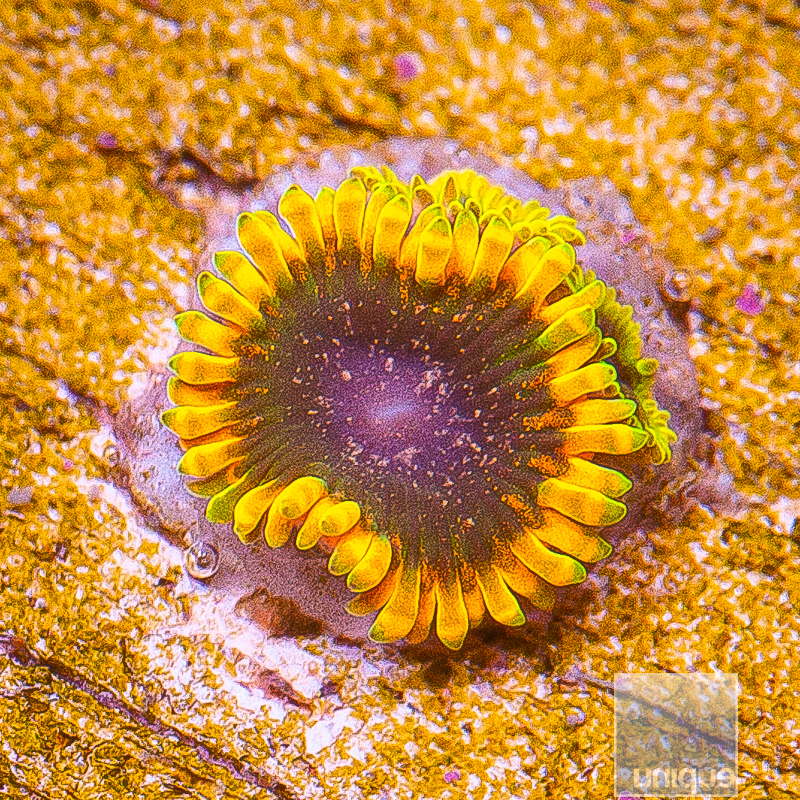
{"x": 18, "y": 651}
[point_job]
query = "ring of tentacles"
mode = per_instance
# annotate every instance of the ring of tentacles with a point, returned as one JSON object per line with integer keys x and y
{"x": 422, "y": 381}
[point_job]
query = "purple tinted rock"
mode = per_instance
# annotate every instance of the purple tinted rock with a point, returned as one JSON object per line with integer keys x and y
{"x": 107, "y": 141}
{"x": 750, "y": 301}
{"x": 406, "y": 66}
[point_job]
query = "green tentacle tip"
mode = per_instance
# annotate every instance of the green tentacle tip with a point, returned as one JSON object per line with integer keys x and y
{"x": 647, "y": 367}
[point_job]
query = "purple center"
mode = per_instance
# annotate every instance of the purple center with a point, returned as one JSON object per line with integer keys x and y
{"x": 392, "y": 414}
{"x": 385, "y": 407}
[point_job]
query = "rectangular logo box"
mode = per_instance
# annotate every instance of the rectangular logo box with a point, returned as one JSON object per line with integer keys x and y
{"x": 675, "y": 735}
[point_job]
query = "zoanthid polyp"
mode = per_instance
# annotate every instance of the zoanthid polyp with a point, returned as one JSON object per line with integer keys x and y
{"x": 424, "y": 381}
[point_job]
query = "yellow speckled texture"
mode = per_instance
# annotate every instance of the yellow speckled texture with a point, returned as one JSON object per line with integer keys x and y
{"x": 112, "y": 110}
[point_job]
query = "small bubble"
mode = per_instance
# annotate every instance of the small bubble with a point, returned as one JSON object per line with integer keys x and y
{"x": 677, "y": 287}
{"x": 111, "y": 455}
{"x": 201, "y": 560}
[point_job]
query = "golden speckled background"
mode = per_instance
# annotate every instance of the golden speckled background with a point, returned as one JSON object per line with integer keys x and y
{"x": 112, "y": 109}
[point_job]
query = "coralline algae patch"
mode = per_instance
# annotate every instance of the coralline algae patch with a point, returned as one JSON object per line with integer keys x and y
{"x": 689, "y": 109}
{"x": 500, "y": 729}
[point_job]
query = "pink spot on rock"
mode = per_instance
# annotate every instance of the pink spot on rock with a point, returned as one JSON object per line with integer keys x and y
{"x": 630, "y": 235}
{"x": 407, "y": 66}
{"x": 750, "y": 301}
{"x": 107, "y": 141}
{"x": 451, "y": 776}
{"x": 67, "y": 464}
